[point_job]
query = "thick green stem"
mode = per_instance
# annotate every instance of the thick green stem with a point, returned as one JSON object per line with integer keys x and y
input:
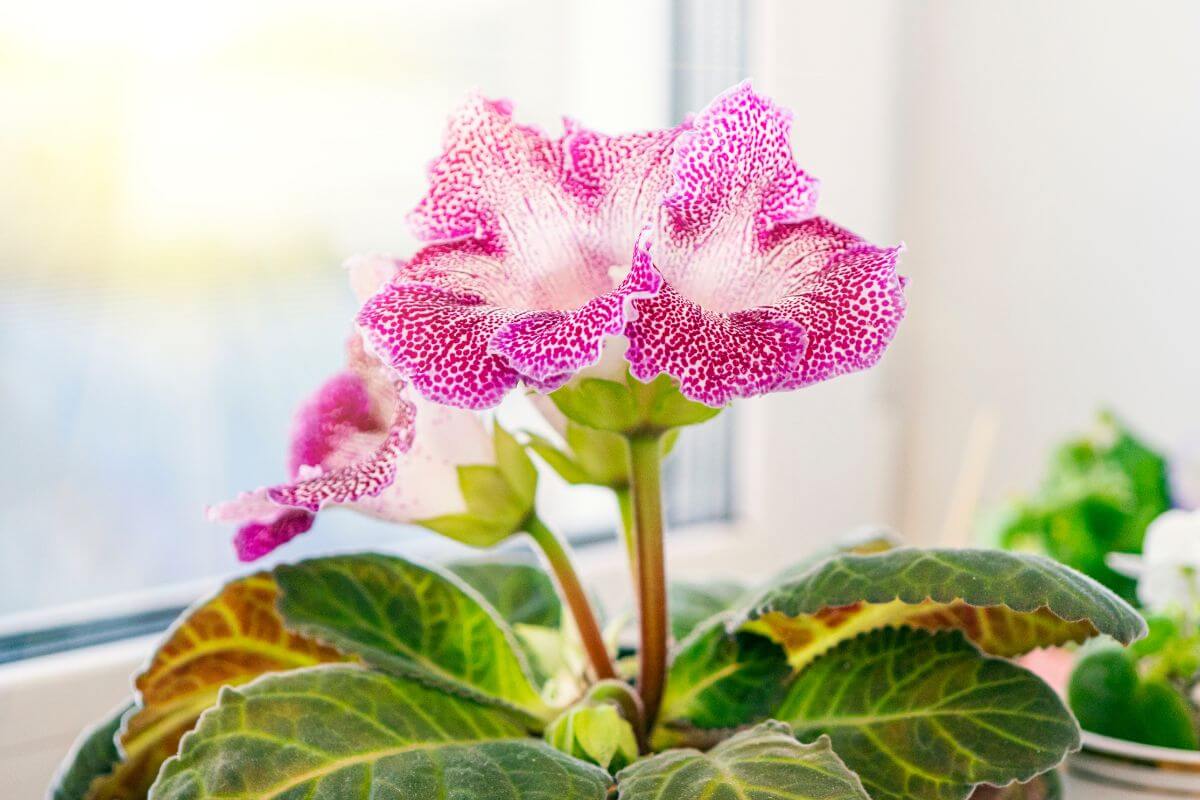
{"x": 625, "y": 504}
{"x": 645, "y": 460}
{"x": 574, "y": 595}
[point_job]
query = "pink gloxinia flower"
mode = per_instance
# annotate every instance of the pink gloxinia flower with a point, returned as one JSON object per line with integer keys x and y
{"x": 698, "y": 243}
{"x": 363, "y": 442}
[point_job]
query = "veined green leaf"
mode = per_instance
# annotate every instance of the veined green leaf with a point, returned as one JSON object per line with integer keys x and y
{"x": 229, "y": 639}
{"x": 926, "y": 716}
{"x": 91, "y": 760}
{"x": 522, "y": 593}
{"x": 1007, "y": 603}
{"x": 344, "y": 733}
{"x": 722, "y": 680}
{"x": 763, "y": 763}
{"x": 409, "y": 620}
{"x": 1047, "y": 786}
{"x": 693, "y": 603}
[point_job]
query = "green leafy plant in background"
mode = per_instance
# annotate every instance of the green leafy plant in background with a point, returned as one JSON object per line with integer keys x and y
{"x": 1099, "y": 493}
{"x": 872, "y": 671}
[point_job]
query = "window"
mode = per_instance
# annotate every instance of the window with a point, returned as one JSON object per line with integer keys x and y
{"x": 178, "y": 186}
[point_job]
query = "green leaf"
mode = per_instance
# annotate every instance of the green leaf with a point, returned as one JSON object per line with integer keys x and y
{"x": 693, "y": 603}
{"x": 1047, "y": 786}
{"x": 521, "y": 593}
{"x": 723, "y": 680}
{"x": 92, "y": 758}
{"x": 515, "y": 465}
{"x": 1007, "y": 603}
{"x": 923, "y": 716}
{"x": 1101, "y": 692}
{"x": 1165, "y": 716}
{"x": 342, "y": 733}
{"x": 1098, "y": 495}
{"x": 759, "y": 764}
{"x": 228, "y": 639}
{"x": 1109, "y": 697}
{"x": 409, "y": 620}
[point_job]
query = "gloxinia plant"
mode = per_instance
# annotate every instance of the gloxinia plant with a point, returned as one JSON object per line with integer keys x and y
{"x": 636, "y": 284}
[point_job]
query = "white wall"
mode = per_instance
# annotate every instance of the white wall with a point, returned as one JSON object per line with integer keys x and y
{"x": 1042, "y": 162}
{"x": 1050, "y": 201}
{"x": 821, "y": 460}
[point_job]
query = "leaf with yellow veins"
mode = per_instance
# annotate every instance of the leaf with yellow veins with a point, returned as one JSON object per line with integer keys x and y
{"x": 228, "y": 640}
{"x": 1006, "y": 603}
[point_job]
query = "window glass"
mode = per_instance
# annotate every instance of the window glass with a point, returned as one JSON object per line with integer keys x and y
{"x": 178, "y": 185}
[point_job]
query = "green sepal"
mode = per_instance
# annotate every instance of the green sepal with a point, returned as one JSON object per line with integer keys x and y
{"x": 630, "y": 407}
{"x": 598, "y": 403}
{"x": 340, "y": 732}
{"x": 498, "y": 497}
{"x": 596, "y": 731}
{"x": 591, "y": 456}
{"x": 923, "y": 716}
{"x": 763, "y": 762}
{"x": 470, "y": 529}
{"x": 515, "y": 466}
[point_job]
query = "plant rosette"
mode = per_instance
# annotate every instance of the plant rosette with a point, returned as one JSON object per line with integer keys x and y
{"x": 637, "y": 284}
{"x": 883, "y": 675}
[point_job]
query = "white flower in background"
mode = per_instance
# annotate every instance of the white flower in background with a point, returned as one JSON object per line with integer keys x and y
{"x": 1170, "y": 570}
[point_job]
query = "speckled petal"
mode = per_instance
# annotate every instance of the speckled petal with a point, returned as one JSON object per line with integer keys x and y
{"x": 851, "y": 309}
{"x": 736, "y": 161}
{"x": 440, "y": 340}
{"x": 714, "y": 356}
{"x": 547, "y": 347}
{"x": 489, "y": 163}
{"x": 362, "y": 478}
{"x": 256, "y": 539}
{"x": 826, "y": 303}
{"x": 527, "y": 233}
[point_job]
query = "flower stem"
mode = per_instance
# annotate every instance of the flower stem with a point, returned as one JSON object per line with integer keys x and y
{"x": 625, "y": 504}
{"x": 574, "y": 595}
{"x": 645, "y": 460}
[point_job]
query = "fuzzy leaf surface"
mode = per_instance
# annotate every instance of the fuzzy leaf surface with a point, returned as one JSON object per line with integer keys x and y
{"x": 763, "y": 763}
{"x": 91, "y": 762}
{"x": 1007, "y": 603}
{"x": 693, "y": 603}
{"x": 926, "y": 716}
{"x": 344, "y": 733}
{"x": 409, "y": 620}
{"x": 227, "y": 640}
{"x": 521, "y": 593}
{"x": 723, "y": 680}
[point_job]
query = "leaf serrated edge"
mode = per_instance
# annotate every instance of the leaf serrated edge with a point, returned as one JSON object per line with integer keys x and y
{"x": 537, "y": 717}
